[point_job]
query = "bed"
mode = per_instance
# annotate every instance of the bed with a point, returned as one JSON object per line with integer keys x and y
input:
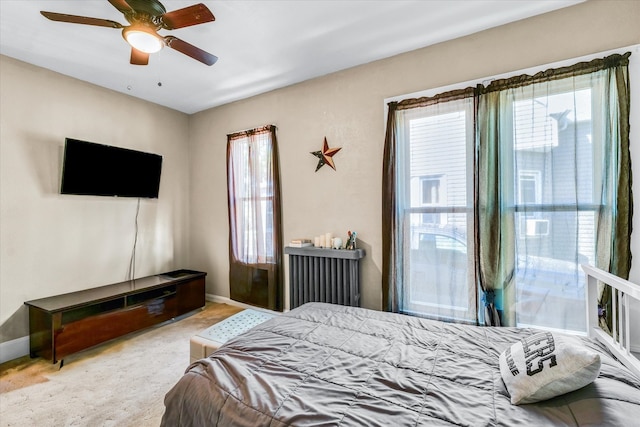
{"x": 331, "y": 365}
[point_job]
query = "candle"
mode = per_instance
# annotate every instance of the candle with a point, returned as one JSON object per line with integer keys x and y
{"x": 327, "y": 239}
{"x": 322, "y": 241}
{"x": 316, "y": 242}
{"x": 336, "y": 243}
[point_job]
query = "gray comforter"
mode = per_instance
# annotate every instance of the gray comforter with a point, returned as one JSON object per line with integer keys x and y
{"x": 328, "y": 365}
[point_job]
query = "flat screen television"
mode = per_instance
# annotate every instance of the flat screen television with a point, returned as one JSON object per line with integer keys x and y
{"x": 102, "y": 170}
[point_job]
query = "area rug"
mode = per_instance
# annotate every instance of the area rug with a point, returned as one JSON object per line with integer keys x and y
{"x": 120, "y": 383}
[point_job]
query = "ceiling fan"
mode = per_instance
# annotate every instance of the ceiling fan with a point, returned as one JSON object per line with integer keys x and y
{"x": 146, "y": 17}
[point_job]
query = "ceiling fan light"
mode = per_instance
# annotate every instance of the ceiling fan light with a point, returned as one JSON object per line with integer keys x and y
{"x": 143, "y": 39}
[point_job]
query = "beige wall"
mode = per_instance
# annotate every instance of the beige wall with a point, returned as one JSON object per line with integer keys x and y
{"x": 348, "y": 108}
{"x": 51, "y": 243}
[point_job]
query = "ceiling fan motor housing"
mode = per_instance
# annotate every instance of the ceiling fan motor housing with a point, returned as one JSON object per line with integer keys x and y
{"x": 149, "y": 7}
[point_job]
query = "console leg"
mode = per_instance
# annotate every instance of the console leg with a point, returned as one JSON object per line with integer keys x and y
{"x": 61, "y": 364}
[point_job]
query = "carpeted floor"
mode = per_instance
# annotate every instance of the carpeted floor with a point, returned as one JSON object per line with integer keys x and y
{"x": 120, "y": 383}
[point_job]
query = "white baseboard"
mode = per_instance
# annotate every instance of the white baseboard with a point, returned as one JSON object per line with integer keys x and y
{"x": 229, "y": 301}
{"x": 13, "y": 349}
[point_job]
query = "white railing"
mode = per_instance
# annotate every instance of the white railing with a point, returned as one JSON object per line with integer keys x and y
{"x": 623, "y": 292}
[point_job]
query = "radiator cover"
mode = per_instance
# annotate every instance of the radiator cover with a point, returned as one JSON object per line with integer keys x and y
{"x": 324, "y": 275}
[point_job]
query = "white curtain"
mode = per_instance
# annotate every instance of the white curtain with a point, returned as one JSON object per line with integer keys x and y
{"x": 250, "y": 178}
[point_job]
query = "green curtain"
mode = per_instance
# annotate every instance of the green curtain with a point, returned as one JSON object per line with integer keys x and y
{"x": 617, "y": 260}
{"x": 494, "y": 253}
{"x": 391, "y": 234}
{"x": 496, "y": 212}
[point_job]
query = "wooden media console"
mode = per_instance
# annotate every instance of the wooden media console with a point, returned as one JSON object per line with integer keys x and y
{"x": 65, "y": 324}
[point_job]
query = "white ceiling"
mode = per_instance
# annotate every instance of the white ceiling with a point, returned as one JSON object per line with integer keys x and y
{"x": 262, "y": 45}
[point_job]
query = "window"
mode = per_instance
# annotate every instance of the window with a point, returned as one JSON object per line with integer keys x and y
{"x": 438, "y": 210}
{"x": 530, "y": 194}
{"x": 253, "y": 200}
{"x": 554, "y": 154}
{"x": 494, "y": 195}
{"x": 430, "y": 191}
{"x": 529, "y": 187}
{"x": 433, "y": 188}
{"x": 254, "y": 218}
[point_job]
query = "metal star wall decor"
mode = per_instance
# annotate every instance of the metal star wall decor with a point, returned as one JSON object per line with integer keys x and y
{"x": 325, "y": 157}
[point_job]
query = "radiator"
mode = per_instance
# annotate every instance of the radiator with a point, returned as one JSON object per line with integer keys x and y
{"x": 324, "y": 275}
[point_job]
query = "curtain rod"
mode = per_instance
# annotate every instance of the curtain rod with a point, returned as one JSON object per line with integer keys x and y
{"x": 635, "y": 48}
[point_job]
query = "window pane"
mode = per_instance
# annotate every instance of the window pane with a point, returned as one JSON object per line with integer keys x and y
{"x": 438, "y": 270}
{"x": 553, "y": 157}
{"x": 438, "y": 153}
{"x": 430, "y": 191}
{"x": 550, "y": 284}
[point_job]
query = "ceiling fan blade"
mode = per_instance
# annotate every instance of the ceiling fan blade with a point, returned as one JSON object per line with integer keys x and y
{"x": 121, "y": 5}
{"x": 138, "y": 57}
{"x": 61, "y": 17}
{"x": 190, "y": 50}
{"x": 192, "y": 15}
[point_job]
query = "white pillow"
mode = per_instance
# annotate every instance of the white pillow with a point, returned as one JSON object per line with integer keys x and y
{"x": 546, "y": 365}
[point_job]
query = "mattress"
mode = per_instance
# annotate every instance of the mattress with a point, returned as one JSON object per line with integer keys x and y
{"x": 331, "y": 365}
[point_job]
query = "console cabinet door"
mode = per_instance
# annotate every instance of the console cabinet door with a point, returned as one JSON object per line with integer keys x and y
{"x": 82, "y": 334}
{"x": 191, "y": 295}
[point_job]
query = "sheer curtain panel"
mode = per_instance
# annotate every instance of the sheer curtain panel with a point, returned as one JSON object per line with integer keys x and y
{"x": 554, "y": 188}
{"x": 255, "y": 241}
{"x": 428, "y": 217}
